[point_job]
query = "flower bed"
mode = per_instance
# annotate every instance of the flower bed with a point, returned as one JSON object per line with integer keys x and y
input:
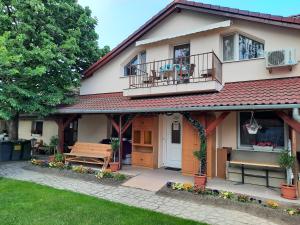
{"x": 77, "y": 172}
{"x": 269, "y": 209}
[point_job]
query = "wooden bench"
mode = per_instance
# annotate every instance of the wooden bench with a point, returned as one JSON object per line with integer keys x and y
{"x": 91, "y": 153}
{"x": 265, "y": 166}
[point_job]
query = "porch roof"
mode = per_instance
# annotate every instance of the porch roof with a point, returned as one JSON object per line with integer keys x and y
{"x": 261, "y": 94}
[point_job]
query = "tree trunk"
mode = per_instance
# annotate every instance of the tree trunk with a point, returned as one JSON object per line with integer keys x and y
{"x": 13, "y": 128}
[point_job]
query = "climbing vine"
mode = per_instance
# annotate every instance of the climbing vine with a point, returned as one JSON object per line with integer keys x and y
{"x": 201, "y": 154}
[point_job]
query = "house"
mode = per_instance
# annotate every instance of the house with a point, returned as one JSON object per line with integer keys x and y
{"x": 235, "y": 71}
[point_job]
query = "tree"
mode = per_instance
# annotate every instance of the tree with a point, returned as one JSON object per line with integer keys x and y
{"x": 45, "y": 45}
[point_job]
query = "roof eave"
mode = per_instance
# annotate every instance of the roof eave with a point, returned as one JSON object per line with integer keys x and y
{"x": 190, "y": 109}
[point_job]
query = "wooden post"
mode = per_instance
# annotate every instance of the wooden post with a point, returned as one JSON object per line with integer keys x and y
{"x": 294, "y": 152}
{"x": 61, "y": 135}
{"x": 120, "y": 141}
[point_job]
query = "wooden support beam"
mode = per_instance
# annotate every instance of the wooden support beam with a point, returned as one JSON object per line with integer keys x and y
{"x": 114, "y": 124}
{"x": 211, "y": 127}
{"x": 294, "y": 152}
{"x": 290, "y": 121}
{"x": 120, "y": 141}
{"x": 127, "y": 125}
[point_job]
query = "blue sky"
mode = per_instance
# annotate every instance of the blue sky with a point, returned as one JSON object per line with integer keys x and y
{"x": 117, "y": 19}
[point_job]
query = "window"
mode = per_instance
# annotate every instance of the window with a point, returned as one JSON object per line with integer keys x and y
{"x": 272, "y": 130}
{"x": 132, "y": 69}
{"x": 228, "y": 48}
{"x": 250, "y": 49}
{"x": 37, "y": 127}
{"x": 240, "y": 47}
{"x": 176, "y": 132}
{"x": 182, "y": 54}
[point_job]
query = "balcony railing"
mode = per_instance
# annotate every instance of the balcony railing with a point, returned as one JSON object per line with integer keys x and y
{"x": 192, "y": 69}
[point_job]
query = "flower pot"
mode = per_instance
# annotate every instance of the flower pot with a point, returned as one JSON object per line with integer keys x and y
{"x": 114, "y": 166}
{"x": 289, "y": 192}
{"x": 51, "y": 158}
{"x": 200, "y": 181}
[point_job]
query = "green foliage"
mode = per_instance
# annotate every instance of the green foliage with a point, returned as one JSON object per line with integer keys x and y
{"x": 115, "y": 145}
{"x": 44, "y": 48}
{"x": 286, "y": 161}
{"x": 58, "y": 157}
{"x": 201, "y": 153}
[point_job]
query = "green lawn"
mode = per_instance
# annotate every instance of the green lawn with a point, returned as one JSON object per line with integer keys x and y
{"x": 33, "y": 204}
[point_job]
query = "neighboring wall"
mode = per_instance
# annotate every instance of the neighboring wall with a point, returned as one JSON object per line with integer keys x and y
{"x": 50, "y": 129}
{"x": 92, "y": 128}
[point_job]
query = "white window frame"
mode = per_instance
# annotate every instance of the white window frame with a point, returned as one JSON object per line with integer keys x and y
{"x": 236, "y": 57}
{"x": 131, "y": 58}
{"x": 246, "y": 147}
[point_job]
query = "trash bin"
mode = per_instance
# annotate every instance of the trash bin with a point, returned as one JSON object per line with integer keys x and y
{"x": 5, "y": 150}
{"x": 26, "y": 150}
{"x": 16, "y": 151}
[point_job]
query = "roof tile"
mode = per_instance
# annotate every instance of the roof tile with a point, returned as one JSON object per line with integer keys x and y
{"x": 261, "y": 92}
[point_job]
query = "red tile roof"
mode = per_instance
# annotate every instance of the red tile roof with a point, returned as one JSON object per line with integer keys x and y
{"x": 280, "y": 92}
{"x": 201, "y": 7}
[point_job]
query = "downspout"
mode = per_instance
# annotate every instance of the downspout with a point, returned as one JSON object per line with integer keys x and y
{"x": 296, "y": 114}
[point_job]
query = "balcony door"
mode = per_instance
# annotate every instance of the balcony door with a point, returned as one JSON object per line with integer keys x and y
{"x": 182, "y": 54}
{"x": 173, "y": 150}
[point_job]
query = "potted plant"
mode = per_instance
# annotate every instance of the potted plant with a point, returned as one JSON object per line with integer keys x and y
{"x": 200, "y": 178}
{"x": 53, "y": 146}
{"x": 115, "y": 145}
{"x": 286, "y": 161}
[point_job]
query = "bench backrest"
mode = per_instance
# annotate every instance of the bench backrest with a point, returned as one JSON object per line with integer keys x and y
{"x": 91, "y": 148}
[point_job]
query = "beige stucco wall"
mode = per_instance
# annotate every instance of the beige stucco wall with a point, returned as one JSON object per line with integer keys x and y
{"x": 227, "y": 132}
{"x": 50, "y": 129}
{"x": 92, "y": 128}
{"x": 109, "y": 78}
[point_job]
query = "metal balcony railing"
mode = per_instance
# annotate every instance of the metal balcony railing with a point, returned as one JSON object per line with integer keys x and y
{"x": 192, "y": 69}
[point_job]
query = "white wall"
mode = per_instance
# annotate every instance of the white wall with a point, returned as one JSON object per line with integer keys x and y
{"x": 50, "y": 129}
{"x": 92, "y": 128}
{"x": 109, "y": 77}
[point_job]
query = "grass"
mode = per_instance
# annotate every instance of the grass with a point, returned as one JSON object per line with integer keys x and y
{"x": 29, "y": 203}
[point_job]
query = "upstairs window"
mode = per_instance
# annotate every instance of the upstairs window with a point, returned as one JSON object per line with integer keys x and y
{"x": 240, "y": 47}
{"x": 136, "y": 65}
{"x": 182, "y": 54}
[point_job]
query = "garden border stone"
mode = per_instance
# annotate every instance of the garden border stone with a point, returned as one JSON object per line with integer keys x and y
{"x": 71, "y": 174}
{"x": 274, "y": 215}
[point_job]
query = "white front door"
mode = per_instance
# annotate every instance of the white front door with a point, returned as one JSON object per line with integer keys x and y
{"x": 173, "y": 148}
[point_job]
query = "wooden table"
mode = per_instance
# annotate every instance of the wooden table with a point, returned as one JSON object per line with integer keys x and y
{"x": 266, "y": 167}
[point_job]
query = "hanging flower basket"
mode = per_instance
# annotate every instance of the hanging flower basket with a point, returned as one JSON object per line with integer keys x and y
{"x": 252, "y": 127}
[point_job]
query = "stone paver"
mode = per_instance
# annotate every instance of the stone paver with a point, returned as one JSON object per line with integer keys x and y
{"x": 135, "y": 197}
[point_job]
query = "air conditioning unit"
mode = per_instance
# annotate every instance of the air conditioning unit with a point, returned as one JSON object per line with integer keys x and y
{"x": 281, "y": 58}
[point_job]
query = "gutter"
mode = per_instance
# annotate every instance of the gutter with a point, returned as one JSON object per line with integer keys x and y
{"x": 184, "y": 109}
{"x": 296, "y": 114}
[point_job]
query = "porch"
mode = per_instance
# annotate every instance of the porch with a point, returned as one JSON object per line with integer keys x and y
{"x": 154, "y": 180}
{"x": 160, "y": 137}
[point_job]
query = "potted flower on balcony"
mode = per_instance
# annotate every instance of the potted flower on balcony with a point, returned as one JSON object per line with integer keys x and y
{"x": 115, "y": 145}
{"x": 200, "y": 178}
{"x": 286, "y": 161}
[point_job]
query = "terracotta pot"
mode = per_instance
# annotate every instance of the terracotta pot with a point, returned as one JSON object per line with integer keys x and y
{"x": 289, "y": 192}
{"x": 114, "y": 166}
{"x": 200, "y": 181}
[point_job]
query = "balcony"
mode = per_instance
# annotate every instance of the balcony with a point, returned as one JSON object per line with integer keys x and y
{"x": 194, "y": 74}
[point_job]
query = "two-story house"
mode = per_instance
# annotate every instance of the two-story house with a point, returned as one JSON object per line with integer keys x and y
{"x": 235, "y": 71}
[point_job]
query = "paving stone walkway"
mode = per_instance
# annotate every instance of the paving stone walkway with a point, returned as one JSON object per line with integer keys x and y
{"x": 135, "y": 197}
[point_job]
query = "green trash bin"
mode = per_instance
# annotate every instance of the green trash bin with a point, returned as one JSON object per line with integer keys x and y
{"x": 5, "y": 150}
{"x": 16, "y": 151}
{"x": 26, "y": 150}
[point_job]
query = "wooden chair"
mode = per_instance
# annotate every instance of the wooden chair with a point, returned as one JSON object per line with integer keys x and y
{"x": 92, "y": 153}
